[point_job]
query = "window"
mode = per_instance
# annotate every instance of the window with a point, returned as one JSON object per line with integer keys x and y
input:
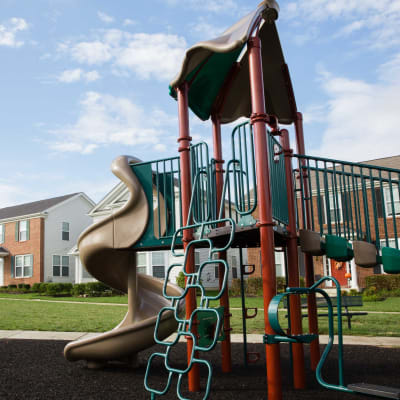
{"x": 216, "y": 271}
{"x": 65, "y": 231}
{"x": 158, "y": 263}
{"x": 196, "y": 261}
{"x": 2, "y": 230}
{"x": 60, "y": 265}
{"x": 141, "y": 263}
{"x": 234, "y": 267}
{"x": 22, "y": 231}
{"x": 335, "y": 207}
{"x": 389, "y": 206}
{"x": 24, "y": 266}
{"x": 279, "y": 263}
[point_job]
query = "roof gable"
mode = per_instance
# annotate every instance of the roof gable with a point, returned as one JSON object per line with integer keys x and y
{"x": 33, "y": 207}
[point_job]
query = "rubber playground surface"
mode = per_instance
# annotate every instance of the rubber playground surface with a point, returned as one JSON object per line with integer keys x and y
{"x": 36, "y": 369}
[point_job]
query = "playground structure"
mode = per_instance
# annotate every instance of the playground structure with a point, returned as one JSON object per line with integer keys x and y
{"x": 190, "y": 201}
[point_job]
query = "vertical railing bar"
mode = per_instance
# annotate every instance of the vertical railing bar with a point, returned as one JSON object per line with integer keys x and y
{"x": 173, "y": 211}
{"x": 165, "y": 198}
{"x": 374, "y": 206}
{"x": 337, "y": 205}
{"x": 327, "y": 201}
{"x": 393, "y": 209}
{"x": 310, "y": 194}
{"x": 319, "y": 200}
{"x": 342, "y": 198}
{"x": 383, "y": 208}
{"x": 352, "y": 212}
{"x": 247, "y": 172}
{"x": 366, "y": 208}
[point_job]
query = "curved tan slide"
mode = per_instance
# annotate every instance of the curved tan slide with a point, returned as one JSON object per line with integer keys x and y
{"x": 104, "y": 249}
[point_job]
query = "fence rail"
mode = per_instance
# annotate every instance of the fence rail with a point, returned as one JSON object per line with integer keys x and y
{"x": 356, "y": 201}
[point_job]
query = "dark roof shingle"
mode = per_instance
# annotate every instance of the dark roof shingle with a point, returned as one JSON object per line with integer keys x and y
{"x": 32, "y": 208}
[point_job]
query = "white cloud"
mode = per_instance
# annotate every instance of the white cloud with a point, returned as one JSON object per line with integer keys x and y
{"x": 75, "y": 75}
{"x": 379, "y": 19}
{"x": 107, "y": 19}
{"x": 9, "y": 31}
{"x": 128, "y": 22}
{"x": 11, "y": 194}
{"x": 105, "y": 120}
{"x": 91, "y": 52}
{"x": 147, "y": 55}
{"x": 205, "y": 30}
{"x": 361, "y": 118}
{"x": 215, "y": 6}
{"x": 152, "y": 55}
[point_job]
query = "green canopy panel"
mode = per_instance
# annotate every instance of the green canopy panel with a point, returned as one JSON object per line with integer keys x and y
{"x": 208, "y": 65}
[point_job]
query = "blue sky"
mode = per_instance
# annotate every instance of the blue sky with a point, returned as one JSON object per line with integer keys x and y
{"x": 85, "y": 81}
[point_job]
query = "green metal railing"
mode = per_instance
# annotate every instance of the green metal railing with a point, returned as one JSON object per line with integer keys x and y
{"x": 352, "y": 200}
{"x": 241, "y": 193}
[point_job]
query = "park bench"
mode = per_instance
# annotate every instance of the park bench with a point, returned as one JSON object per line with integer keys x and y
{"x": 347, "y": 301}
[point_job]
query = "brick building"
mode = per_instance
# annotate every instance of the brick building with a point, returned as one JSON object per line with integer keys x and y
{"x": 35, "y": 239}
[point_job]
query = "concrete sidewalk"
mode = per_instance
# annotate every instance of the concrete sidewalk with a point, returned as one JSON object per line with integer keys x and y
{"x": 236, "y": 338}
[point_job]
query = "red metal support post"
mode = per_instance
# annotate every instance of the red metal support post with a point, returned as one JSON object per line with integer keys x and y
{"x": 184, "y": 151}
{"x": 258, "y": 119}
{"x": 299, "y": 377}
{"x": 309, "y": 264}
{"x": 224, "y": 301}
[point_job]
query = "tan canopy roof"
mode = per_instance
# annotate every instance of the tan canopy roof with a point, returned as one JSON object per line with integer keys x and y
{"x": 209, "y": 65}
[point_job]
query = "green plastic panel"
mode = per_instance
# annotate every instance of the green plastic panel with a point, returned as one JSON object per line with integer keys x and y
{"x": 148, "y": 180}
{"x": 391, "y": 260}
{"x": 208, "y": 322}
{"x": 210, "y": 76}
{"x": 338, "y": 248}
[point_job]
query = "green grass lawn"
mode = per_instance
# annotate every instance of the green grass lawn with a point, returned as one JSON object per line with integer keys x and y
{"x": 36, "y": 296}
{"x": 44, "y": 316}
{"x": 86, "y": 317}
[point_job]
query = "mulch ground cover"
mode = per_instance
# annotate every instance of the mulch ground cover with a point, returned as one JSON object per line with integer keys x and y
{"x": 35, "y": 369}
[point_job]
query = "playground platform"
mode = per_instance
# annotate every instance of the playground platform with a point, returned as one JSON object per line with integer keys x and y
{"x": 36, "y": 369}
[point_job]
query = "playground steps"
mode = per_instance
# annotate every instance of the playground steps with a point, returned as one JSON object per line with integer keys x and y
{"x": 375, "y": 390}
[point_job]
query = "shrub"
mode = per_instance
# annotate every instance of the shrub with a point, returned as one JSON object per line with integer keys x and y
{"x": 280, "y": 284}
{"x": 254, "y": 287}
{"x": 12, "y": 286}
{"x": 78, "y": 289}
{"x": 24, "y": 286}
{"x": 56, "y": 289}
{"x": 180, "y": 280}
{"x": 43, "y": 287}
{"x": 36, "y": 287}
{"x": 96, "y": 289}
{"x": 234, "y": 289}
{"x": 381, "y": 282}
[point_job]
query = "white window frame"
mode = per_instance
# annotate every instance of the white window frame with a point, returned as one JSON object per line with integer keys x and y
{"x": 2, "y": 233}
{"x": 234, "y": 266}
{"x": 327, "y": 267}
{"x": 388, "y": 202}
{"x": 21, "y": 231}
{"x": 196, "y": 261}
{"x": 332, "y": 200}
{"x": 65, "y": 231}
{"x": 141, "y": 267}
{"x": 23, "y": 266}
{"x": 158, "y": 264}
{"x": 60, "y": 265}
